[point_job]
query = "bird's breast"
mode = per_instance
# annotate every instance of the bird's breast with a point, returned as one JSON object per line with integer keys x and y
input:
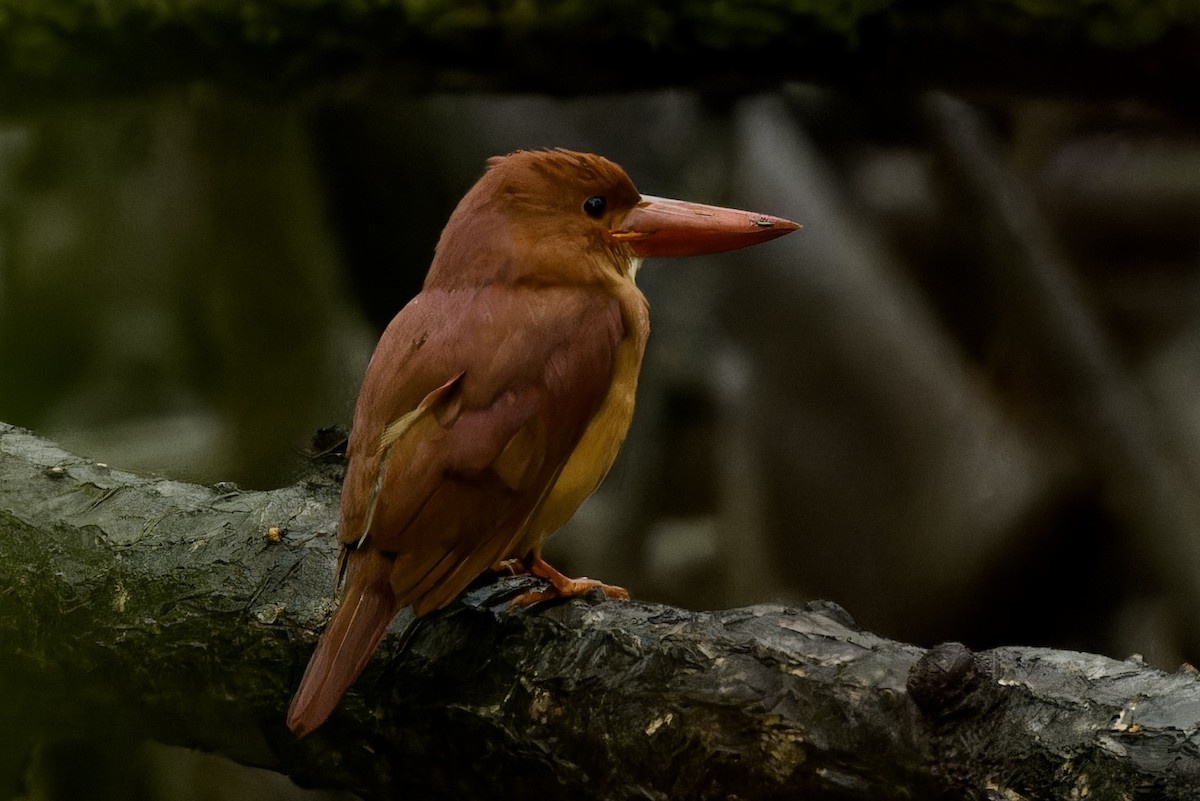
{"x": 592, "y": 458}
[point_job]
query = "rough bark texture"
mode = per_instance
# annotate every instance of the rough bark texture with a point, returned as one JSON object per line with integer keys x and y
{"x": 53, "y": 48}
{"x": 171, "y": 608}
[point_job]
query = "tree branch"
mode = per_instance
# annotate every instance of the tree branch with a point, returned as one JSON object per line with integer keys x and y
{"x": 170, "y": 606}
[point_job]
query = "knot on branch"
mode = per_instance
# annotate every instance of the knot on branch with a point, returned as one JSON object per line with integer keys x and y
{"x": 950, "y": 681}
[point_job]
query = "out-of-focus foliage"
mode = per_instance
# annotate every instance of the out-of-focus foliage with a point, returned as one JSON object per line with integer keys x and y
{"x": 74, "y": 47}
{"x": 1110, "y": 23}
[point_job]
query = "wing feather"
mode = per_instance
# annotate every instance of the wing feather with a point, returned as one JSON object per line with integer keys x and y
{"x": 469, "y": 410}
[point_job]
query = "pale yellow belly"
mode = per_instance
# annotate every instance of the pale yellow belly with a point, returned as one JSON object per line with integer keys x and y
{"x": 589, "y": 463}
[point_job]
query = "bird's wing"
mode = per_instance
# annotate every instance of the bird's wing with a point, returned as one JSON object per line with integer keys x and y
{"x": 470, "y": 408}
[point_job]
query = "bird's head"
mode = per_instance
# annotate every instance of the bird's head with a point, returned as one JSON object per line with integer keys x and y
{"x": 560, "y": 216}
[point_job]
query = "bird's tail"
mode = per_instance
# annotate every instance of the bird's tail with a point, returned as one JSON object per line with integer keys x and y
{"x": 350, "y": 638}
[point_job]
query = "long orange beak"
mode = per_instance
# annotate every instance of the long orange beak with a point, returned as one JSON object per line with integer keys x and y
{"x": 658, "y": 226}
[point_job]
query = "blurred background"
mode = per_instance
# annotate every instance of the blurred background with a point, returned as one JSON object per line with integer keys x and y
{"x": 963, "y": 403}
{"x": 894, "y": 409}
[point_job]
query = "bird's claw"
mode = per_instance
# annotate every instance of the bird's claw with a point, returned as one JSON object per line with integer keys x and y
{"x": 578, "y": 588}
{"x": 563, "y": 586}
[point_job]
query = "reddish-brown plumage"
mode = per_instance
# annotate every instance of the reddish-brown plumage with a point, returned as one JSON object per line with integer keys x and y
{"x": 497, "y": 399}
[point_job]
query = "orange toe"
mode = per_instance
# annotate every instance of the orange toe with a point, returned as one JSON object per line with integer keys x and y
{"x": 563, "y": 586}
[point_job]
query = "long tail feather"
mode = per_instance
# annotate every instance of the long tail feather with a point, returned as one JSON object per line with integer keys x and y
{"x": 350, "y": 638}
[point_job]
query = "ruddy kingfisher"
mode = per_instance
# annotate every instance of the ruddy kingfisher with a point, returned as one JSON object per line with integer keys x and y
{"x": 497, "y": 399}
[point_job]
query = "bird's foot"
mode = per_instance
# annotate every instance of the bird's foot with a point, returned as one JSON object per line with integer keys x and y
{"x": 563, "y": 586}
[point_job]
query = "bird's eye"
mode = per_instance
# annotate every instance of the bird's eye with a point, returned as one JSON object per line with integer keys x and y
{"x": 594, "y": 206}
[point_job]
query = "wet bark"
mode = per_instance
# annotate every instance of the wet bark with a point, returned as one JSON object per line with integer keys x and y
{"x": 187, "y": 613}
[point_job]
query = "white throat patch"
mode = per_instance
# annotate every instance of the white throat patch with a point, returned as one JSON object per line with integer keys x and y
{"x": 635, "y": 264}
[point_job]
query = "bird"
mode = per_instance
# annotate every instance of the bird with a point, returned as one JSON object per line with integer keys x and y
{"x": 497, "y": 398}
